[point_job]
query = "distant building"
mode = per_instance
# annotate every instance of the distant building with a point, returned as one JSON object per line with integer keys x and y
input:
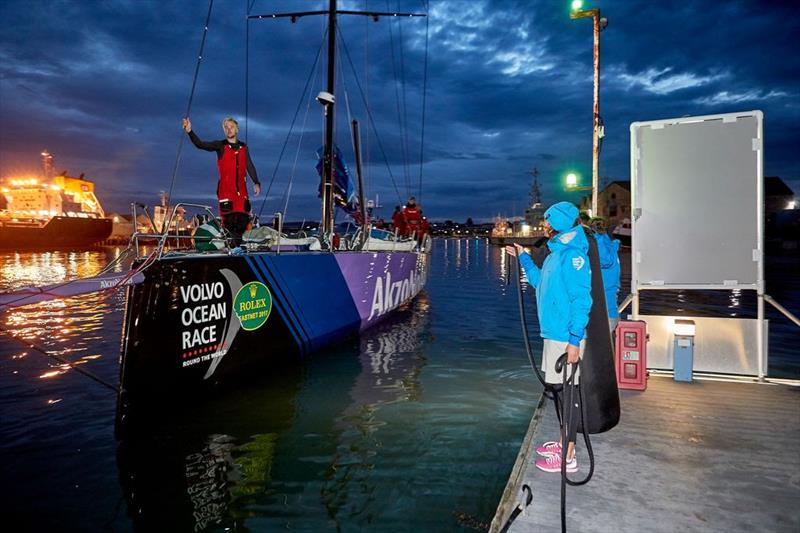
{"x": 613, "y": 202}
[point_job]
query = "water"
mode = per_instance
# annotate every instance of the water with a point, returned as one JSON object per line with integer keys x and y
{"x": 413, "y": 427}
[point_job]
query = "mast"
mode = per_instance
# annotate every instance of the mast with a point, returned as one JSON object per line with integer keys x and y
{"x": 327, "y": 97}
{"x": 327, "y": 192}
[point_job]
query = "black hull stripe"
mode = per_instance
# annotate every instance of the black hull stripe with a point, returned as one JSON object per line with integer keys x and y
{"x": 302, "y": 344}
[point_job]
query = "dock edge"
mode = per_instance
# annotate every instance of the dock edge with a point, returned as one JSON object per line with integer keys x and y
{"x": 511, "y": 497}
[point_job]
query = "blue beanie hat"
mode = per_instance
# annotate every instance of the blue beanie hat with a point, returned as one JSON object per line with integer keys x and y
{"x": 561, "y": 216}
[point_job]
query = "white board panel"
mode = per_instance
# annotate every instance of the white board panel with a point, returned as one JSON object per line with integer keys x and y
{"x": 697, "y": 200}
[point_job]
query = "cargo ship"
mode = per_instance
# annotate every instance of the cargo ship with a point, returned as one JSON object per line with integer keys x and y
{"x": 528, "y": 231}
{"x": 50, "y": 211}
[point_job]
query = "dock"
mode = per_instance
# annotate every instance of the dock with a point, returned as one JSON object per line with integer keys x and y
{"x": 709, "y": 455}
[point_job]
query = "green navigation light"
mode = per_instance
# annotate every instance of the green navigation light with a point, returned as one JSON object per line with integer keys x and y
{"x": 572, "y": 178}
{"x": 577, "y": 5}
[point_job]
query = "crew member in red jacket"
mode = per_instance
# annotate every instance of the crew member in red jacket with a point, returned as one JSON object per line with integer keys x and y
{"x": 423, "y": 227}
{"x": 234, "y": 163}
{"x": 413, "y": 217}
{"x": 398, "y": 222}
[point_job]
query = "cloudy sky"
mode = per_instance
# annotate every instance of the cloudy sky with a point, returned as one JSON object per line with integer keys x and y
{"x": 103, "y": 86}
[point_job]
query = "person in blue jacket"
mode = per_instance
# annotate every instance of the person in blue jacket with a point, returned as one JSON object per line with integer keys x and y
{"x": 563, "y": 299}
{"x": 608, "y": 249}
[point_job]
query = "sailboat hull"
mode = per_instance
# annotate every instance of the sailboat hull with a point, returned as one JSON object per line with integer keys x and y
{"x": 202, "y": 320}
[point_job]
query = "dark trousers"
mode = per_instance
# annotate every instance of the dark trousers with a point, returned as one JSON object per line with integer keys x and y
{"x": 236, "y": 225}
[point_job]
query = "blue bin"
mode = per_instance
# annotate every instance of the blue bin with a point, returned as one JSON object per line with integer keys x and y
{"x": 683, "y": 358}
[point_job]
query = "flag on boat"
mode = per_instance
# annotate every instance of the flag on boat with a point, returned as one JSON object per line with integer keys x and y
{"x": 344, "y": 193}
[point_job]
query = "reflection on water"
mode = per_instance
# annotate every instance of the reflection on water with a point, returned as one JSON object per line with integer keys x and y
{"x": 414, "y": 426}
{"x": 244, "y": 451}
{"x": 72, "y": 328}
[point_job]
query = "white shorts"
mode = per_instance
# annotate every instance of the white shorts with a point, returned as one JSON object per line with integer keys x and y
{"x": 551, "y": 351}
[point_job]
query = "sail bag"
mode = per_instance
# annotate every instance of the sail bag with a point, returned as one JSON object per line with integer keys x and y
{"x": 598, "y": 375}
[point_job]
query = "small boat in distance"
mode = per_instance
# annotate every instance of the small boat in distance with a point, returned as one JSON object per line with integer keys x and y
{"x": 622, "y": 232}
{"x": 50, "y": 211}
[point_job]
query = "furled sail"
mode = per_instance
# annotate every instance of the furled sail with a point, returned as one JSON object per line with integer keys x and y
{"x": 344, "y": 193}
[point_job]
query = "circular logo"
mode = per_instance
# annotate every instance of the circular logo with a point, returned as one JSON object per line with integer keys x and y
{"x": 252, "y": 305}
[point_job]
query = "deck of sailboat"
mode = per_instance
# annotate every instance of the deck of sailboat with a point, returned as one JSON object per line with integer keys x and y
{"x": 705, "y": 456}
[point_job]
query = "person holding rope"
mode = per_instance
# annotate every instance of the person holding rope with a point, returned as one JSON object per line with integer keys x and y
{"x": 234, "y": 164}
{"x": 563, "y": 296}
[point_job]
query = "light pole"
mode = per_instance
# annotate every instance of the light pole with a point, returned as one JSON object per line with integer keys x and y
{"x": 599, "y": 24}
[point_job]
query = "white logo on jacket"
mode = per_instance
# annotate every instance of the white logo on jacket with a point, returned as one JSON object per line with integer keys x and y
{"x": 578, "y": 262}
{"x": 566, "y": 237}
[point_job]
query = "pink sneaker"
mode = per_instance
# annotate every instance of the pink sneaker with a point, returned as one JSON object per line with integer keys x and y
{"x": 552, "y": 463}
{"x": 549, "y": 448}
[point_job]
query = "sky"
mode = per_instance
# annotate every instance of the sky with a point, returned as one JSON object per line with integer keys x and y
{"x": 505, "y": 87}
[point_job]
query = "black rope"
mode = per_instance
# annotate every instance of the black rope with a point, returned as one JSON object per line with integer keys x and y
{"x": 566, "y": 421}
{"x": 564, "y": 416}
{"x": 424, "y": 101}
{"x": 35, "y": 347}
{"x": 191, "y": 98}
{"x": 291, "y": 128}
{"x": 369, "y": 115}
{"x": 525, "y": 336}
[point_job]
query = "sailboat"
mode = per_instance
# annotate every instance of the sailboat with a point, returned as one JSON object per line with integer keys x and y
{"x": 199, "y": 320}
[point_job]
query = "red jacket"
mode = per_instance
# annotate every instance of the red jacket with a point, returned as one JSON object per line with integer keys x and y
{"x": 413, "y": 219}
{"x": 398, "y": 222}
{"x": 234, "y": 163}
{"x": 231, "y": 186}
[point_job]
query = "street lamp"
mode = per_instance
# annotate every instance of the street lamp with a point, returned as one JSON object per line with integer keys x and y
{"x": 599, "y": 24}
{"x": 572, "y": 180}
{"x": 572, "y": 185}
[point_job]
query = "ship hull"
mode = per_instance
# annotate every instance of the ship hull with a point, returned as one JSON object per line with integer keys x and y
{"x": 59, "y": 232}
{"x": 204, "y": 321}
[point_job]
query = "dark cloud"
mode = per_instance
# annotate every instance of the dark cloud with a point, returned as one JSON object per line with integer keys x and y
{"x": 103, "y": 86}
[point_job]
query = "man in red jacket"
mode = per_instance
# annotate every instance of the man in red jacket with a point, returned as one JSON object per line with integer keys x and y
{"x": 412, "y": 216}
{"x": 233, "y": 163}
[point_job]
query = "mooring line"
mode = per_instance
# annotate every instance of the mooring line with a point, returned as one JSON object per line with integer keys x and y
{"x": 63, "y": 361}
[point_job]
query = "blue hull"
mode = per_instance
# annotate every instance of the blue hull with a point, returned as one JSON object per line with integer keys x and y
{"x": 204, "y": 320}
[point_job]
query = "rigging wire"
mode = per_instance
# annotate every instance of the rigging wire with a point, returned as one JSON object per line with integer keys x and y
{"x": 404, "y": 140}
{"x": 365, "y": 153}
{"x": 369, "y": 115}
{"x": 247, "y": 70}
{"x": 288, "y": 192}
{"x": 191, "y": 98}
{"x": 397, "y": 106}
{"x": 346, "y": 101}
{"x": 424, "y": 101}
{"x": 291, "y": 128}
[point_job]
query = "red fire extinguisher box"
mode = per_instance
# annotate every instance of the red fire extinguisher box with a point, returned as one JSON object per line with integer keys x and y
{"x": 631, "y": 354}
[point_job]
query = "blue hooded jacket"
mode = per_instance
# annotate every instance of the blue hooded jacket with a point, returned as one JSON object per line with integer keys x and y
{"x": 608, "y": 250}
{"x": 563, "y": 286}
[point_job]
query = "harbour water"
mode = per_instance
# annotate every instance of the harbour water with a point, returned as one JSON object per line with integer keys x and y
{"x": 415, "y": 426}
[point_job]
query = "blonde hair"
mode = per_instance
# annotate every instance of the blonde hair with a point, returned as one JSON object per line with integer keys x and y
{"x": 231, "y": 119}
